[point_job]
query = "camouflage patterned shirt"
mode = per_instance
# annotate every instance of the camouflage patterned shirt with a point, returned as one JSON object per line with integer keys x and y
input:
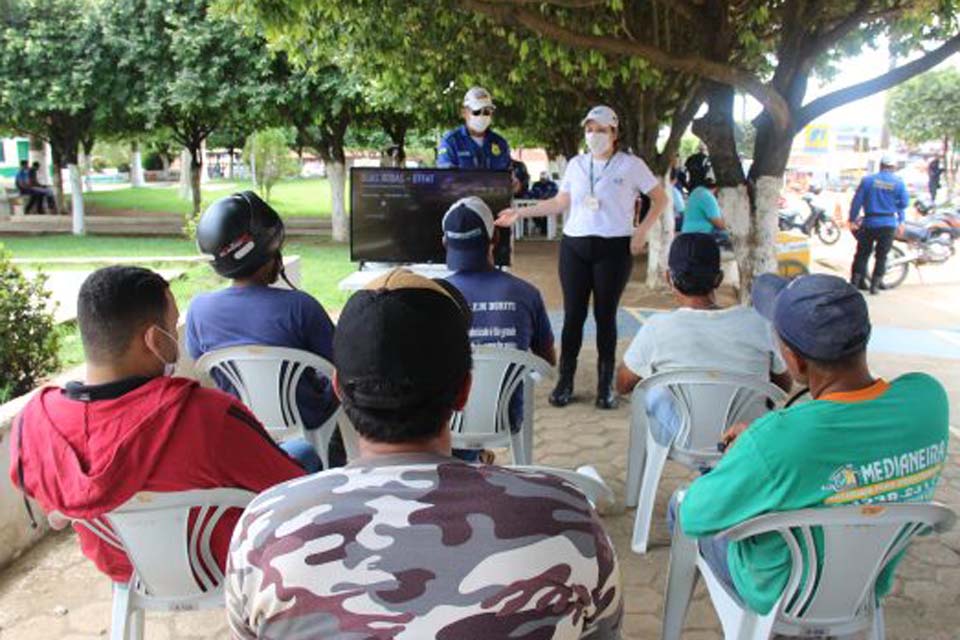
{"x": 422, "y": 546}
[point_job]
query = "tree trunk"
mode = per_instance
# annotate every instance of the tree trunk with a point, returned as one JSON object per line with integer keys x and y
{"x": 658, "y": 242}
{"x": 165, "y": 166}
{"x": 185, "y": 179}
{"x": 76, "y": 197}
{"x": 38, "y": 154}
{"x": 136, "y": 166}
{"x": 337, "y": 175}
{"x": 204, "y": 176}
{"x": 735, "y": 204}
{"x": 760, "y": 251}
{"x": 58, "y": 166}
{"x": 196, "y": 178}
{"x": 230, "y": 164}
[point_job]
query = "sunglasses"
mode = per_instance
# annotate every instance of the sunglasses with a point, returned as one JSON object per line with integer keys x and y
{"x": 486, "y": 111}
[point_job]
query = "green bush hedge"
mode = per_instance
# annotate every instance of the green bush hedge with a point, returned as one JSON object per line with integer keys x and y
{"x": 28, "y": 339}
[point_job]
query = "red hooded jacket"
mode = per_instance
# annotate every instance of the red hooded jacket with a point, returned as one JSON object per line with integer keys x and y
{"x": 86, "y": 458}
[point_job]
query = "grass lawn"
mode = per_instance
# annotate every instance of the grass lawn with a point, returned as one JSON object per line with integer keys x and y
{"x": 301, "y": 197}
{"x": 322, "y": 266}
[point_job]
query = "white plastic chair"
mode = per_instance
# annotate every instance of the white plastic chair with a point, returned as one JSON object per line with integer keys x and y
{"x": 485, "y": 422}
{"x": 174, "y": 568}
{"x": 585, "y": 478}
{"x": 266, "y": 379}
{"x": 838, "y": 596}
{"x": 707, "y": 402}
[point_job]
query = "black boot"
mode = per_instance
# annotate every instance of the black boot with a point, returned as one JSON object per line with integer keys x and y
{"x": 562, "y": 394}
{"x": 859, "y": 282}
{"x": 606, "y": 396}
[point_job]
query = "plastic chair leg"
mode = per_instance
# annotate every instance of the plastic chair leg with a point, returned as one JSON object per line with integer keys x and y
{"x": 653, "y": 468}
{"x": 120, "y": 623}
{"x": 136, "y": 624}
{"x": 636, "y": 455}
{"x": 518, "y": 449}
{"x": 681, "y": 581}
{"x": 879, "y": 627}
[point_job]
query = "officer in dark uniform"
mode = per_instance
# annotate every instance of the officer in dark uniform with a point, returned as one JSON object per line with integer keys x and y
{"x": 473, "y": 145}
{"x": 883, "y": 198}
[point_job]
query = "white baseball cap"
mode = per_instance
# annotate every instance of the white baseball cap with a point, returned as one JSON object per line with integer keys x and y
{"x": 887, "y": 160}
{"x": 602, "y": 114}
{"x": 478, "y": 98}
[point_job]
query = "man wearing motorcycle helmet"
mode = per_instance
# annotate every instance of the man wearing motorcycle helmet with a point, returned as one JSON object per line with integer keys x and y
{"x": 244, "y": 236}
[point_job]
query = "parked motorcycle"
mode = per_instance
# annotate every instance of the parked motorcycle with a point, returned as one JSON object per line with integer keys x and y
{"x": 917, "y": 245}
{"x": 939, "y": 221}
{"x": 816, "y": 221}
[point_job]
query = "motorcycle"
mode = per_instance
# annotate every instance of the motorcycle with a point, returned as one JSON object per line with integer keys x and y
{"x": 941, "y": 221}
{"x": 922, "y": 246}
{"x": 817, "y": 221}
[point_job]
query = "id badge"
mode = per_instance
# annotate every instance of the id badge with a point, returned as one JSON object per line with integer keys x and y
{"x": 592, "y": 203}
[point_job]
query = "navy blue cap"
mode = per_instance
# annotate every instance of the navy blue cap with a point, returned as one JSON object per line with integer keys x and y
{"x": 694, "y": 254}
{"x": 467, "y": 231}
{"x": 822, "y": 317}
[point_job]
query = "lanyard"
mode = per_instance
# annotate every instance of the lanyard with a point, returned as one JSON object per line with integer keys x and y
{"x": 605, "y": 165}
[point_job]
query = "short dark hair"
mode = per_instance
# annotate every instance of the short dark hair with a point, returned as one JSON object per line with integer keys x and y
{"x": 24, "y": 164}
{"x": 114, "y": 303}
{"x": 846, "y": 362}
{"x": 691, "y": 284}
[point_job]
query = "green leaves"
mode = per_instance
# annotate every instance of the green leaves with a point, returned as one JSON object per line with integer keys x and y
{"x": 927, "y": 107}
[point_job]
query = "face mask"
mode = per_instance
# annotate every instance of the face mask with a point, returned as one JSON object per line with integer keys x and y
{"x": 598, "y": 143}
{"x": 478, "y": 123}
{"x": 168, "y": 367}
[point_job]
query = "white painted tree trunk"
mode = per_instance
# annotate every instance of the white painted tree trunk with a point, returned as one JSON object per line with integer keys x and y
{"x": 337, "y": 174}
{"x": 658, "y": 242}
{"x": 759, "y": 254}
{"x": 136, "y": 166}
{"x": 86, "y": 168}
{"x": 735, "y": 205}
{"x": 185, "y": 183}
{"x": 561, "y": 162}
{"x": 76, "y": 197}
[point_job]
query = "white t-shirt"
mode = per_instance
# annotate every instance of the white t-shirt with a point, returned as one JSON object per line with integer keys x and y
{"x": 736, "y": 340}
{"x": 617, "y": 185}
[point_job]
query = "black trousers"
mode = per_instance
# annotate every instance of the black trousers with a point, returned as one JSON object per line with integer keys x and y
{"x": 875, "y": 240}
{"x": 598, "y": 266}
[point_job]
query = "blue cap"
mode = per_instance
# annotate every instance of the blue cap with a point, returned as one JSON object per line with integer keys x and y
{"x": 694, "y": 254}
{"x": 821, "y": 317}
{"x": 467, "y": 231}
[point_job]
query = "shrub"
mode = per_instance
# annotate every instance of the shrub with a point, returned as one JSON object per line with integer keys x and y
{"x": 28, "y": 336}
{"x": 269, "y": 156}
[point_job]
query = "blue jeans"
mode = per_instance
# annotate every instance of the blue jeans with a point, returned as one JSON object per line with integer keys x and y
{"x": 713, "y": 549}
{"x": 303, "y": 454}
{"x": 663, "y": 419}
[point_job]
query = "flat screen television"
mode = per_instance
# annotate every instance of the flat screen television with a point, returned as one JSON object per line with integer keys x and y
{"x": 395, "y": 214}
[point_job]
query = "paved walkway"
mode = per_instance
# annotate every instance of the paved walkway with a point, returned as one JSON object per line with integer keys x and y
{"x": 53, "y": 592}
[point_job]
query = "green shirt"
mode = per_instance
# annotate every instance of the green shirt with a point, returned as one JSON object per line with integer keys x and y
{"x": 702, "y": 207}
{"x": 886, "y": 443}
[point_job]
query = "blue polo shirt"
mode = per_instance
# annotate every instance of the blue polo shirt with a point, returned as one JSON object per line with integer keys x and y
{"x": 267, "y": 316}
{"x": 883, "y": 199}
{"x": 507, "y": 312}
{"x": 459, "y": 151}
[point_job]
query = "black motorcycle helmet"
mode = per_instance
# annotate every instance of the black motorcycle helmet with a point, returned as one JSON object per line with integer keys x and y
{"x": 241, "y": 233}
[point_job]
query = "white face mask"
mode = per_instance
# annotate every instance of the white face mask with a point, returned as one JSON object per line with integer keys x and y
{"x": 598, "y": 143}
{"x": 478, "y": 123}
{"x": 168, "y": 367}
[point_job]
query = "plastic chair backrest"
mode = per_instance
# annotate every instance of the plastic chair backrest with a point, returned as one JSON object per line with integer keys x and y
{"x": 266, "y": 379}
{"x": 709, "y": 401}
{"x": 171, "y": 559}
{"x": 497, "y": 373}
{"x": 859, "y": 541}
{"x": 585, "y": 478}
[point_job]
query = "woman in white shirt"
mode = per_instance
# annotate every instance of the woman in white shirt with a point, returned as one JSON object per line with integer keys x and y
{"x": 600, "y": 188}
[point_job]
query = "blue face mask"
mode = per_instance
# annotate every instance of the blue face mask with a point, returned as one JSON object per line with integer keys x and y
{"x": 168, "y": 367}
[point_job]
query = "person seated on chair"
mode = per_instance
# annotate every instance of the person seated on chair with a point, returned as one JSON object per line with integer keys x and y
{"x": 408, "y": 541}
{"x": 861, "y": 440}
{"x": 506, "y": 311}
{"x": 43, "y": 191}
{"x": 701, "y": 213}
{"x": 87, "y": 448}
{"x": 699, "y": 334}
{"x": 244, "y": 236}
{"x": 25, "y": 189}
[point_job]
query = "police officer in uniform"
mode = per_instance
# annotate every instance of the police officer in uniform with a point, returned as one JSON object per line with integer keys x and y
{"x": 473, "y": 145}
{"x": 883, "y": 198}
